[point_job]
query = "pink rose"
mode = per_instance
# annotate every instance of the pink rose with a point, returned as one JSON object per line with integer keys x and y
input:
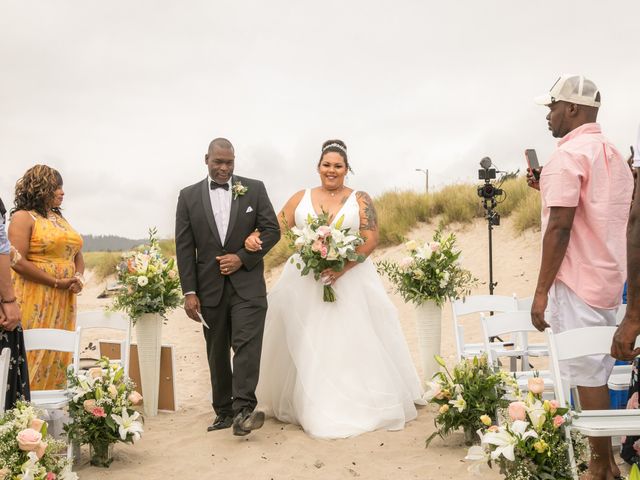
{"x": 36, "y": 424}
{"x": 493, "y": 428}
{"x": 42, "y": 447}
{"x": 324, "y": 251}
{"x": 89, "y": 405}
{"x": 135, "y": 398}
{"x": 98, "y": 412}
{"x": 51, "y": 476}
{"x": 324, "y": 231}
{"x": 536, "y": 385}
{"x": 316, "y": 246}
{"x": 95, "y": 372}
{"x": 558, "y": 420}
{"x": 28, "y": 439}
{"x": 517, "y": 411}
{"x": 434, "y": 246}
{"x": 554, "y": 405}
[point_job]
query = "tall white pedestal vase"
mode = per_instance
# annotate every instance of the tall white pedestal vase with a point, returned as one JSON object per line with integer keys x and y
{"x": 149, "y": 338}
{"x": 428, "y": 325}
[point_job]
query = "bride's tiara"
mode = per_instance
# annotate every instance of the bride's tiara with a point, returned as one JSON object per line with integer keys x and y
{"x": 336, "y": 145}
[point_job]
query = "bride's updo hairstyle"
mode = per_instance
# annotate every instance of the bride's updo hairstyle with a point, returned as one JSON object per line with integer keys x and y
{"x": 337, "y": 146}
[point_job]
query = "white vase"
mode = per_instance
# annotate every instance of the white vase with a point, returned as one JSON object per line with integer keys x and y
{"x": 149, "y": 336}
{"x": 428, "y": 320}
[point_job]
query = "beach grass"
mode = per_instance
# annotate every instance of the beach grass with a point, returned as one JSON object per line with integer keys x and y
{"x": 102, "y": 264}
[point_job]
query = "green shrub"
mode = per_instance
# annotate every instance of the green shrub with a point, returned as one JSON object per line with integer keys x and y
{"x": 102, "y": 264}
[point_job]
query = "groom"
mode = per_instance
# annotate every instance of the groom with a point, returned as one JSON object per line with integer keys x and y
{"x": 224, "y": 283}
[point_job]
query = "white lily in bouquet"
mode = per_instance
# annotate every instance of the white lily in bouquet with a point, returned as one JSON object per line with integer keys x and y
{"x": 321, "y": 246}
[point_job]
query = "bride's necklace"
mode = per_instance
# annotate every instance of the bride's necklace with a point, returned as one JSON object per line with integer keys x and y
{"x": 333, "y": 192}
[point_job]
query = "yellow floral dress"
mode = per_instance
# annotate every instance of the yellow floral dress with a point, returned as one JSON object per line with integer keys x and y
{"x": 53, "y": 247}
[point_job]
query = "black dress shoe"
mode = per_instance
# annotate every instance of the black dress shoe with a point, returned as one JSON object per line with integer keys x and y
{"x": 221, "y": 422}
{"x": 246, "y": 421}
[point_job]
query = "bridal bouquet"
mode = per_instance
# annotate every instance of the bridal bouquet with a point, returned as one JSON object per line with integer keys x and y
{"x": 101, "y": 409}
{"x": 468, "y": 397}
{"x": 321, "y": 245}
{"x": 430, "y": 271}
{"x": 531, "y": 443}
{"x": 150, "y": 282}
{"x": 27, "y": 452}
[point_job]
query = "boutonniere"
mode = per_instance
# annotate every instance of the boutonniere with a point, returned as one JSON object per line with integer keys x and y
{"x": 238, "y": 190}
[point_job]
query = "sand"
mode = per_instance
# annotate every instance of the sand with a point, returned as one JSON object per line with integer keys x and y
{"x": 177, "y": 445}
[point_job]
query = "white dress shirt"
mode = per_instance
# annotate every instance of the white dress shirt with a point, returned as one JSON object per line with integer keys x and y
{"x": 221, "y": 205}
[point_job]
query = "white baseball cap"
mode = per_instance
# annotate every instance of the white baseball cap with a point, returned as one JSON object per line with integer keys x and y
{"x": 573, "y": 89}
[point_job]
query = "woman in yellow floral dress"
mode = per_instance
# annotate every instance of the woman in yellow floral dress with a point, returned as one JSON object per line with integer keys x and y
{"x": 49, "y": 275}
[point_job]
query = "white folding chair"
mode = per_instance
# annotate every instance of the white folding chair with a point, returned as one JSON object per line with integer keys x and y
{"x": 5, "y": 361}
{"x": 56, "y": 340}
{"x": 578, "y": 343}
{"x": 516, "y": 324}
{"x": 476, "y": 304}
{"x": 113, "y": 321}
{"x": 622, "y": 310}
{"x": 533, "y": 349}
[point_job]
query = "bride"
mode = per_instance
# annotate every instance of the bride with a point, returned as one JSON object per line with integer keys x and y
{"x": 343, "y": 368}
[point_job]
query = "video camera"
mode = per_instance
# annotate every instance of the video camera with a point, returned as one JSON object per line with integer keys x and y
{"x": 487, "y": 173}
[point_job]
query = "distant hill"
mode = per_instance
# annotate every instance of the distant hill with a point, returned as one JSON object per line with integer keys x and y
{"x": 109, "y": 243}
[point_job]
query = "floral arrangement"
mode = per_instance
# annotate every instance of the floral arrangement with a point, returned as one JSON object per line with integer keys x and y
{"x": 101, "y": 408}
{"x": 27, "y": 452}
{"x": 531, "y": 443}
{"x": 238, "y": 189}
{"x": 150, "y": 282}
{"x": 322, "y": 246}
{"x": 430, "y": 271}
{"x": 469, "y": 397}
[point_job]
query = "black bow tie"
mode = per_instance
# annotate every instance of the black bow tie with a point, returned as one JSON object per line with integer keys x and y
{"x": 213, "y": 185}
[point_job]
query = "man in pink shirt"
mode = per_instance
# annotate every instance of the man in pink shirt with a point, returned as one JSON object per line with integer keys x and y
{"x": 586, "y": 190}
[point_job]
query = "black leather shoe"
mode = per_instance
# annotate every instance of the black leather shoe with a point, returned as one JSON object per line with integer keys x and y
{"x": 220, "y": 423}
{"x": 246, "y": 421}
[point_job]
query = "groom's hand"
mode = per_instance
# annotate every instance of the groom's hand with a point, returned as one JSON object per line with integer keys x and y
{"x": 192, "y": 306}
{"x": 229, "y": 263}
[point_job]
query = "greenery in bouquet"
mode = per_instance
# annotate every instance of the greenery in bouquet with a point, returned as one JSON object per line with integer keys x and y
{"x": 321, "y": 246}
{"x": 150, "y": 282}
{"x": 430, "y": 271}
{"x": 27, "y": 452}
{"x": 469, "y": 397}
{"x": 531, "y": 442}
{"x": 101, "y": 407}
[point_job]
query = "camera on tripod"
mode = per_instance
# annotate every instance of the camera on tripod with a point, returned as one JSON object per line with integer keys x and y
{"x": 487, "y": 173}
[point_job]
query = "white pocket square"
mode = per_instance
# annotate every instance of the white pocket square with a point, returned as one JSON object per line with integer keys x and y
{"x": 249, "y": 209}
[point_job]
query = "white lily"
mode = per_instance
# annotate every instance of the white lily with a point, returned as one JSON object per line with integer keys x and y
{"x": 459, "y": 403}
{"x": 31, "y": 469}
{"x": 128, "y": 424}
{"x": 537, "y": 415}
{"x": 506, "y": 441}
{"x": 476, "y": 453}
{"x": 67, "y": 474}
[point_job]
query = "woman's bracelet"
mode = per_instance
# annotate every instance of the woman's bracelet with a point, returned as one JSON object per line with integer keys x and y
{"x": 55, "y": 283}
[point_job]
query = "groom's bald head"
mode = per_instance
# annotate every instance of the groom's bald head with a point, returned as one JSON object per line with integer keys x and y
{"x": 220, "y": 142}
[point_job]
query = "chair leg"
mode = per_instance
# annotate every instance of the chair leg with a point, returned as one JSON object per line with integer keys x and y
{"x": 572, "y": 458}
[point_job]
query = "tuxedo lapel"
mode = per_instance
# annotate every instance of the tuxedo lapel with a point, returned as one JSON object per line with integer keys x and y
{"x": 233, "y": 214}
{"x": 208, "y": 211}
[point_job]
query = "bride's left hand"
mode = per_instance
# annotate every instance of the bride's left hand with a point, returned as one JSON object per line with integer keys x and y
{"x": 329, "y": 276}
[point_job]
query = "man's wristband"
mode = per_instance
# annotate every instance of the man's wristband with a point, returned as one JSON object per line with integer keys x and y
{"x": 10, "y": 300}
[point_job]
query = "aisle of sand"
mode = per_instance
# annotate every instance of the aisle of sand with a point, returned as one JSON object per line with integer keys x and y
{"x": 176, "y": 445}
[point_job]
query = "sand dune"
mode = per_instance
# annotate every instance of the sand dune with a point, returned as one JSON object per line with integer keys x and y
{"x": 176, "y": 445}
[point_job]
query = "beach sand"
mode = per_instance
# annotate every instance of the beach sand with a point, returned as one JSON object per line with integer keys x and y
{"x": 177, "y": 445}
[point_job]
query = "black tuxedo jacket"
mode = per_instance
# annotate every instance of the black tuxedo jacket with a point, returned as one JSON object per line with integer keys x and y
{"x": 198, "y": 242}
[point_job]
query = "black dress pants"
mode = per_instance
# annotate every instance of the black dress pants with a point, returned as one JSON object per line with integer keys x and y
{"x": 235, "y": 323}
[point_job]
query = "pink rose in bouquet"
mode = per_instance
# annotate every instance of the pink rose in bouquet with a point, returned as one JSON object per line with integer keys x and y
{"x": 517, "y": 411}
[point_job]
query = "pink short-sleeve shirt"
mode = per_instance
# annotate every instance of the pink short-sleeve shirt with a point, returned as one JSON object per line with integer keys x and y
{"x": 587, "y": 172}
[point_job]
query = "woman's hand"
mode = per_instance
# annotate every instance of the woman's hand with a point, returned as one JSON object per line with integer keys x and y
{"x": 253, "y": 243}
{"x": 72, "y": 284}
{"x": 330, "y": 277}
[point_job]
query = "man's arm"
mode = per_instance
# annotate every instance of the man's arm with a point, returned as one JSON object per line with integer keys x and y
{"x": 624, "y": 340}
{"x": 186, "y": 259}
{"x": 267, "y": 224}
{"x": 554, "y": 246}
{"x": 10, "y": 311}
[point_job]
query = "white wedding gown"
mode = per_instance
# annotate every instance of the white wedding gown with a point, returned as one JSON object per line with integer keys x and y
{"x": 337, "y": 369}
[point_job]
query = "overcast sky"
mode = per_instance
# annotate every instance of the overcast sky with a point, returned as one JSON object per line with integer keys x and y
{"x": 124, "y": 96}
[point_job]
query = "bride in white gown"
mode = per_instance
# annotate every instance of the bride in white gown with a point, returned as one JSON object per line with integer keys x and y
{"x": 343, "y": 368}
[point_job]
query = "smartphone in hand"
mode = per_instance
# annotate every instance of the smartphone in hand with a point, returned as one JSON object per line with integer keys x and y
{"x": 532, "y": 160}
